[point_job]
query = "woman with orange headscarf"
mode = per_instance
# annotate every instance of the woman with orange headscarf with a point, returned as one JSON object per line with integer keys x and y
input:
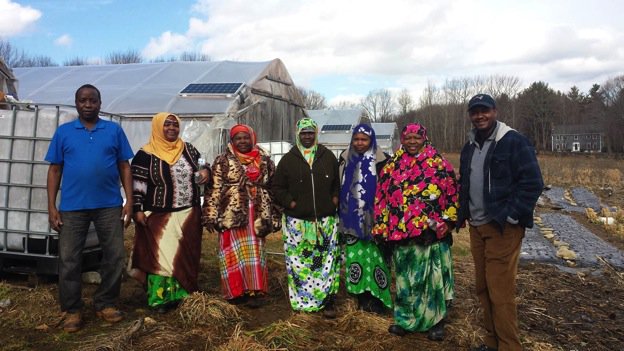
{"x": 240, "y": 206}
{"x": 167, "y": 214}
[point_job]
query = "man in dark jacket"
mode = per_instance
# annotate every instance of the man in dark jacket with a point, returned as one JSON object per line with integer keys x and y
{"x": 306, "y": 184}
{"x": 499, "y": 186}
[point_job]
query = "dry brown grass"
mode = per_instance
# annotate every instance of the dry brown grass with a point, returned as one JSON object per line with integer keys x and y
{"x": 581, "y": 170}
{"x": 201, "y": 309}
{"x": 296, "y": 333}
{"x": 240, "y": 341}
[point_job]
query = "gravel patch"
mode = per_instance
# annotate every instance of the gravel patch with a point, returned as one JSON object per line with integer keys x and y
{"x": 583, "y": 242}
{"x": 537, "y": 248}
{"x": 585, "y": 198}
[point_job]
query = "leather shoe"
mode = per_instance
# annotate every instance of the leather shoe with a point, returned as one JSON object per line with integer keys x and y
{"x": 110, "y": 314}
{"x": 483, "y": 348}
{"x": 72, "y": 322}
{"x": 436, "y": 333}
{"x": 397, "y": 330}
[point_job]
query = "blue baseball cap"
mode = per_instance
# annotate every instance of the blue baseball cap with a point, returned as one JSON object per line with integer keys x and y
{"x": 481, "y": 100}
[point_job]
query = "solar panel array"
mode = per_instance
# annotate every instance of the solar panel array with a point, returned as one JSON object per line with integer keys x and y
{"x": 211, "y": 88}
{"x": 336, "y": 127}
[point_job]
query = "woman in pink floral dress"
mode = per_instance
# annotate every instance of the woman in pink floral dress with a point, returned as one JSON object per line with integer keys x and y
{"x": 415, "y": 208}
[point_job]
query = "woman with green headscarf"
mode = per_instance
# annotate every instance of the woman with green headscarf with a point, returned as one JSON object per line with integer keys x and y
{"x": 306, "y": 184}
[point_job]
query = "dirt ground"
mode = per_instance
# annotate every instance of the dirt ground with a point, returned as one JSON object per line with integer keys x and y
{"x": 559, "y": 309}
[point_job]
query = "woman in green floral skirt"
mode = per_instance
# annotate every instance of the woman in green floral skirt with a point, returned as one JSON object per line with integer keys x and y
{"x": 367, "y": 274}
{"x": 306, "y": 184}
{"x": 415, "y": 208}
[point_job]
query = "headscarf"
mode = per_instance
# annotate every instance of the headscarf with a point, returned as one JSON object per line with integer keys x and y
{"x": 415, "y": 192}
{"x": 357, "y": 194}
{"x": 415, "y": 128}
{"x": 307, "y": 124}
{"x": 168, "y": 151}
{"x": 249, "y": 159}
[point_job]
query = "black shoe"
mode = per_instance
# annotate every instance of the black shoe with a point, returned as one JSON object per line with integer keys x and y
{"x": 329, "y": 311}
{"x": 397, "y": 330}
{"x": 436, "y": 333}
{"x": 256, "y": 301}
{"x": 238, "y": 300}
{"x": 483, "y": 347}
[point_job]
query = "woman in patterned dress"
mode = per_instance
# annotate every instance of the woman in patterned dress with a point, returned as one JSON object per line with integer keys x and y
{"x": 415, "y": 208}
{"x": 240, "y": 206}
{"x": 367, "y": 274}
{"x": 167, "y": 214}
{"x": 306, "y": 184}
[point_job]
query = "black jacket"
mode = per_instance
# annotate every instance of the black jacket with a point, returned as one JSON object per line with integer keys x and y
{"x": 311, "y": 188}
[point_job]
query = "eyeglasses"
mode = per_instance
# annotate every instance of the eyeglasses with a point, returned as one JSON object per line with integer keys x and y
{"x": 171, "y": 123}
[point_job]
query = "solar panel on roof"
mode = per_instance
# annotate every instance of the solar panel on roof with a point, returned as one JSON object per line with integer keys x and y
{"x": 336, "y": 127}
{"x": 211, "y": 88}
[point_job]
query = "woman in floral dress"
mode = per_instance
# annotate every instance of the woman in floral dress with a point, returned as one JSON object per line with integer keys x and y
{"x": 415, "y": 208}
{"x": 306, "y": 184}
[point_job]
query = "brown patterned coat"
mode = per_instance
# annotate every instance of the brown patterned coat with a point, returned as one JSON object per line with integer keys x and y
{"x": 225, "y": 203}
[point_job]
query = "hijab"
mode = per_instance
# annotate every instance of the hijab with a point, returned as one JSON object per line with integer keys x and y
{"x": 158, "y": 145}
{"x": 357, "y": 193}
{"x": 414, "y": 191}
{"x": 308, "y": 125}
{"x": 251, "y": 159}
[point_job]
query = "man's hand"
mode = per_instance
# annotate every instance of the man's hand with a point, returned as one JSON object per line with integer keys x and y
{"x": 54, "y": 217}
{"x": 126, "y": 213}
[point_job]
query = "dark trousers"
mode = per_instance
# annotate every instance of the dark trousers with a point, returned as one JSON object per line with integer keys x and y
{"x": 109, "y": 228}
{"x": 496, "y": 258}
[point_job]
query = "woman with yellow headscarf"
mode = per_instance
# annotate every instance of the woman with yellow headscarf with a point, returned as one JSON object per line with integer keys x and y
{"x": 167, "y": 214}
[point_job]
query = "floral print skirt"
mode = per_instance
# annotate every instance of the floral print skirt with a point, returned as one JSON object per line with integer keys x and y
{"x": 312, "y": 261}
{"x": 424, "y": 285}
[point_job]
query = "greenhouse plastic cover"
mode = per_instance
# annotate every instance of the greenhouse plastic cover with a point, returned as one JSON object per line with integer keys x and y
{"x": 139, "y": 89}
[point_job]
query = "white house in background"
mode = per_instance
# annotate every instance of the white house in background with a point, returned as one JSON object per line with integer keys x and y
{"x": 336, "y": 127}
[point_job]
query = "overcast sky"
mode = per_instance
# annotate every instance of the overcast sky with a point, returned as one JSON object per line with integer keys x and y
{"x": 342, "y": 49}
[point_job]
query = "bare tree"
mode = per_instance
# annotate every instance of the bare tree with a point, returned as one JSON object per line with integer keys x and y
{"x": 18, "y": 58}
{"x": 118, "y": 58}
{"x": 378, "y": 105}
{"x": 405, "y": 102}
{"x": 194, "y": 56}
{"x": 9, "y": 53}
{"x": 312, "y": 100}
{"x": 76, "y": 61}
{"x": 344, "y": 105}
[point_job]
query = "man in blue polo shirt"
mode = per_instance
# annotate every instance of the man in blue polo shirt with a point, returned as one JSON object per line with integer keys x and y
{"x": 88, "y": 157}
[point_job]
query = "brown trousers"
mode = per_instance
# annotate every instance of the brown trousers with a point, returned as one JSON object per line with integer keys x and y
{"x": 496, "y": 265}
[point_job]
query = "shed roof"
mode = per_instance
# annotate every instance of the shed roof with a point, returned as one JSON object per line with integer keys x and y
{"x": 147, "y": 88}
{"x": 385, "y": 130}
{"x": 335, "y": 117}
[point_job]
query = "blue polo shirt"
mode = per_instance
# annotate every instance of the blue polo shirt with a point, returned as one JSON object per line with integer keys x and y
{"x": 89, "y": 158}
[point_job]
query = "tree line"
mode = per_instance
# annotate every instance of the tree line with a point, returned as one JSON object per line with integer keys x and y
{"x": 534, "y": 110}
{"x": 15, "y": 57}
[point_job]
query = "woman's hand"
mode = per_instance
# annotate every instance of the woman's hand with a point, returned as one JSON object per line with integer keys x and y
{"x": 140, "y": 219}
{"x": 203, "y": 176}
{"x": 441, "y": 230}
